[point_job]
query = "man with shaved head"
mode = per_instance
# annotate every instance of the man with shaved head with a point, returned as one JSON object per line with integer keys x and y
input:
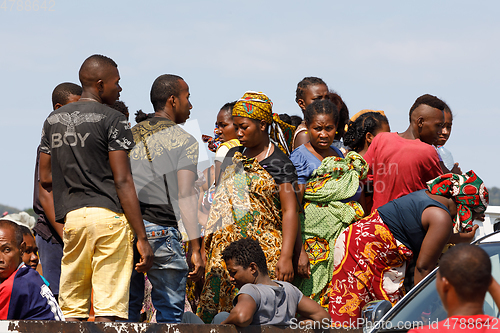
{"x": 402, "y": 163}
{"x": 84, "y": 160}
{"x": 23, "y": 293}
{"x": 462, "y": 280}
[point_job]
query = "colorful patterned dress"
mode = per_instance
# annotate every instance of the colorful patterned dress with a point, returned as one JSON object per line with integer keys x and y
{"x": 326, "y": 216}
{"x": 246, "y": 204}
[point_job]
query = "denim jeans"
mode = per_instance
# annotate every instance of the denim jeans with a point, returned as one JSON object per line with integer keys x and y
{"x": 168, "y": 276}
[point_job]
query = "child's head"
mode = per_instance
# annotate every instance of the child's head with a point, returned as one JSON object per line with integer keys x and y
{"x": 30, "y": 255}
{"x": 245, "y": 260}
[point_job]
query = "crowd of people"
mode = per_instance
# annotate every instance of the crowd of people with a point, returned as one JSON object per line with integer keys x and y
{"x": 314, "y": 215}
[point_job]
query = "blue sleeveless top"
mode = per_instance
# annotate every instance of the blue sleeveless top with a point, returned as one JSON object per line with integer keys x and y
{"x": 403, "y": 217}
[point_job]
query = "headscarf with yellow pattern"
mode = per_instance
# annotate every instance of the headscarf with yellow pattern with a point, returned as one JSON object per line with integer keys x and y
{"x": 256, "y": 105}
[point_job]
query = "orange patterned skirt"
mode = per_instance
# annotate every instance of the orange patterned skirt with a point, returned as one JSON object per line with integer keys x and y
{"x": 369, "y": 264}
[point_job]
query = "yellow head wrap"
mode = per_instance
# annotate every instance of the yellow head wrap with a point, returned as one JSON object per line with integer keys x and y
{"x": 256, "y": 105}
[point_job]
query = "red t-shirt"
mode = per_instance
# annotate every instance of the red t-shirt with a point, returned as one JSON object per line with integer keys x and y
{"x": 477, "y": 324}
{"x": 400, "y": 166}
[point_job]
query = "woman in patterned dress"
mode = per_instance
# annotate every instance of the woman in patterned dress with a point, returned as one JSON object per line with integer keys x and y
{"x": 371, "y": 255}
{"x": 329, "y": 186}
{"x": 255, "y": 198}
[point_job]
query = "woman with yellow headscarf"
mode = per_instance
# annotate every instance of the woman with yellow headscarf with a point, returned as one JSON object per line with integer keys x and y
{"x": 255, "y": 198}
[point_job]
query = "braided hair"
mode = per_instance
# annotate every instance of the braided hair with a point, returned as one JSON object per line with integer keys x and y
{"x": 368, "y": 122}
{"x": 306, "y": 82}
{"x": 343, "y": 113}
{"x": 321, "y": 107}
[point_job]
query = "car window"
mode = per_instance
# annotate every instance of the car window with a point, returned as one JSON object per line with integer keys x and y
{"x": 426, "y": 307}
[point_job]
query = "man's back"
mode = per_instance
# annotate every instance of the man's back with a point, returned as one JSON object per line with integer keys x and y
{"x": 79, "y": 137}
{"x": 399, "y": 166}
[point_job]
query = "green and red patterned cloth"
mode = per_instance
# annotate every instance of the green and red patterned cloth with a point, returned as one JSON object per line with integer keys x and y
{"x": 469, "y": 193}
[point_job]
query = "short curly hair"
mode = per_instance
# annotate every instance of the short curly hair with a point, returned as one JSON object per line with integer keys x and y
{"x": 244, "y": 252}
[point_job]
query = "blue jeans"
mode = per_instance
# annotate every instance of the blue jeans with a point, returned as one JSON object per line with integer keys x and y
{"x": 168, "y": 276}
{"x": 50, "y": 259}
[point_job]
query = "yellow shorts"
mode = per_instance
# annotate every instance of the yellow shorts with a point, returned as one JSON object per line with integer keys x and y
{"x": 98, "y": 254}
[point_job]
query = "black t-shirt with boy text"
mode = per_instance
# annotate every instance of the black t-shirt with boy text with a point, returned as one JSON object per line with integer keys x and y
{"x": 79, "y": 136}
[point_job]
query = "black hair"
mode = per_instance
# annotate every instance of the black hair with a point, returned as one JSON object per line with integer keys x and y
{"x": 468, "y": 269}
{"x": 244, "y": 252}
{"x": 25, "y": 230}
{"x": 321, "y": 107}
{"x": 62, "y": 91}
{"x": 164, "y": 86}
{"x": 368, "y": 122}
{"x": 18, "y": 234}
{"x": 306, "y": 82}
{"x": 343, "y": 114}
{"x": 91, "y": 69}
{"x": 141, "y": 116}
{"x": 430, "y": 100}
{"x": 121, "y": 107}
{"x": 295, "y": 121}
{"x": 447, "y": 109}
{"x": 228, "y": 107}
{"x": 285, "y": 118}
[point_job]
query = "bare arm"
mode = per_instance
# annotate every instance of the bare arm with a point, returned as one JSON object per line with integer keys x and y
{"x": 45, "y": 195}
{"x": 187, "y": 202}
{"x": 289, "y": 207}
{"x": 300, "y": 139}
{"x": 439, "y": 227}
{"x": 464, "y": 237}
{"x": 217, "y": 171}
{"x": 242, "y": 314}
{"x": 300, "y": 255}
{"x": 494, "y": 290}
{"x": 309, "y": 309}
{"x": 125, "y": 188}
{"x": 47, "y": 201}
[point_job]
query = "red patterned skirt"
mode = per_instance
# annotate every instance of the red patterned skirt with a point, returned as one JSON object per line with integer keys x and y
{"x": 369, "y": 264}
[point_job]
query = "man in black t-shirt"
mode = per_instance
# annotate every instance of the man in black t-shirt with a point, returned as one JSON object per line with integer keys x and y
{"x": 164, "y": 166}
{"x": 48, "y": 231}
{"x": 84, "y": 160}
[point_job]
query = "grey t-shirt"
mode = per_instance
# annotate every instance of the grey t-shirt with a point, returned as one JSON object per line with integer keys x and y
{"x": 276, "y": 305}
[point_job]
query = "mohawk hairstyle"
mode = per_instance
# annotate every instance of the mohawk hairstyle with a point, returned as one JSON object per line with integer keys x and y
{"x": 430, "y": 100}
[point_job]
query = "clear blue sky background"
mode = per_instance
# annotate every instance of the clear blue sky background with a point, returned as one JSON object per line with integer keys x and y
{"x": 377, "y": 55}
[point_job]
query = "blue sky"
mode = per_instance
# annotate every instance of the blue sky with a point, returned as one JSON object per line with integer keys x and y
{"x": 376, "y": 55}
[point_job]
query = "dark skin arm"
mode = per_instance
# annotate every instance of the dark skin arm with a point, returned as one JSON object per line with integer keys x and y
{"x": 463, "y": 237}
{"x": 300, "y": 139}
{"x": 187, "y": 202}
{"x": 289, "y": 207}
{"x": 217, "y": 171}
{"x": 125, "y": 189}
{"x": 45, "y": 194}
{"x": 494, "y": 290}
{"x": 47, "y": 201}
{"x": 242, "y": 314}
{"x": 300, "y": 255}
{"x": 438, "y": 224}
{"x": 309, "y": 309}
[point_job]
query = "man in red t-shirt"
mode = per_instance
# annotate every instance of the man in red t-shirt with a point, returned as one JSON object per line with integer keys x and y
{"x": 402, "y": 163}
{"x": 462, "y": 280}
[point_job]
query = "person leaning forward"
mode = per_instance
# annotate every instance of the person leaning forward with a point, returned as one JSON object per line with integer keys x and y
{"x": 84, "y": 161}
